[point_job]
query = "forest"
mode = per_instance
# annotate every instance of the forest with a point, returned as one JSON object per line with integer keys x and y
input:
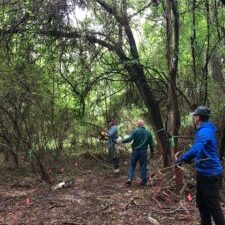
{"x": 69, "y": 66}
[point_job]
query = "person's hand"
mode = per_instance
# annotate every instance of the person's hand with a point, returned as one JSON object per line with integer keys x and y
{"x": 178, "y": 162}
{"x": 119, "y": 140}
{"x": 103, "y": 133}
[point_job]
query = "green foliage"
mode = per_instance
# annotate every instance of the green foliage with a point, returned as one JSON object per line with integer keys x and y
{"x": 54, "y": 86}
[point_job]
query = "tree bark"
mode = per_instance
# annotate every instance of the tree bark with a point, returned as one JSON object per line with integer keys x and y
{"x": 137, "y": 74}
{"x": 193, "y": 49}
{"x": 206, "y": 68}
{"x": 43, "y": 171}
{"x": 172, "y": 28}
{"x": 222, "y": 138}
{"x": 217, "y": 67}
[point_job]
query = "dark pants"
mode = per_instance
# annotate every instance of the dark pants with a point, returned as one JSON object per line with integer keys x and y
{"x": 113, "y": 157}
{"x": 141, "y": 156}
{"x": 208, "y": 200}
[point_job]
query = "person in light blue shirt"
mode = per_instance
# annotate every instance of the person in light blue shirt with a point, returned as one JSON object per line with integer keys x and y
{"x": 204, "y": 153}
{"x": 112, "y": 135}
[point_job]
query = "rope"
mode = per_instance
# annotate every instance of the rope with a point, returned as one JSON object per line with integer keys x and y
{"x": 177, "y": 164}
{"x": 157, "y": 131}
{"x": 30, "y": 152}
{"x": 172, "y": 139}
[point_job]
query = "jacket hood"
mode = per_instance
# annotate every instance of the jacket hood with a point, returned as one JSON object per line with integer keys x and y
{"x": 208, "y": 125}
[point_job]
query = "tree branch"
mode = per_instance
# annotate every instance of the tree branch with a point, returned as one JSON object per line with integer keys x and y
{"x": 110, "y": 10}
{"x": 141, "y": 10}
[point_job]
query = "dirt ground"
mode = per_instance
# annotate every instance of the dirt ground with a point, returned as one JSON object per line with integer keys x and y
{"x": 96, "y": 196}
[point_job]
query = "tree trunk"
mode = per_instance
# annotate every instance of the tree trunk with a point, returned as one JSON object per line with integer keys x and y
{"x": 207, "y": 57}
{"x": 172, "y": 62}
{"x": 15, "y": 158}
{"x": 138, "y": 75}
{"x": 193, "y": 50}
{"x": 222, "y": 138}
{"x": 217, "y": 67}
{"x": 44, "y": 174}
{"x": 6, "y": 155}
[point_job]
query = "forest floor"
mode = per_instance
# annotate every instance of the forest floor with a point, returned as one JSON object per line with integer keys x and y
{"x": 96, "y": 196}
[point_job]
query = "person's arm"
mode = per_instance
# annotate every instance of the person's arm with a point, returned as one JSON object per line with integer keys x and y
{"x": 199, "y": 143}
{"x": 112, "y": 132}
{"x": 129, "y": 138}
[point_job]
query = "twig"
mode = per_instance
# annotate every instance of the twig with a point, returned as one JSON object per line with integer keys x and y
{"x": 169, "y": 180}
{"x": 184, "y": 208}
{"x": 130, "y": 202}
{"x": 169, "y": 212}
{"x": 70, "y": 223}
{"x": 183, "y": 188}
{"x": 108, "y": 167}
{"x": 136, "y": 204}
{"x": 157, "y": 201}
{"x": 152, "y": 220}
{"x": 173, "y": 211}
{"x": 55, "y": 206}
{"x": 93, "y": 211}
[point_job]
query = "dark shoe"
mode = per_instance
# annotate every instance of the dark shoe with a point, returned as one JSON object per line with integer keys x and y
{"x": 143, "y": 184}
{"x": 128, "y": 182}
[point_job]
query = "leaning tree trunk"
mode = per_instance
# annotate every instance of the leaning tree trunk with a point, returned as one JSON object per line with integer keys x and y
{"x": 137, "y": 74}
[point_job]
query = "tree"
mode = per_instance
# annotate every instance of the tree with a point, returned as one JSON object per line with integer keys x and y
{"x": 172, "y": 25}
{"x": 121, "y": 43}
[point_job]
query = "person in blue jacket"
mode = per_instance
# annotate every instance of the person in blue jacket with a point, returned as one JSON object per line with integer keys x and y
{"x": 141, "y": 138}
{"x": 209, "y": 170}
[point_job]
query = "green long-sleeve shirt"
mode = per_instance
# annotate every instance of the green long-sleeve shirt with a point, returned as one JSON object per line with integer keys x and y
{"x": 141, "y": 138}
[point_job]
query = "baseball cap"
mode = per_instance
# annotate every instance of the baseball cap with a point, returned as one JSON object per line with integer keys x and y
{"x": 201, "y": 111}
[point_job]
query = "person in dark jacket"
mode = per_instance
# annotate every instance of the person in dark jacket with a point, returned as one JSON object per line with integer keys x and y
{"x": 204, "y": 152}
{"x": 141, "y": 138}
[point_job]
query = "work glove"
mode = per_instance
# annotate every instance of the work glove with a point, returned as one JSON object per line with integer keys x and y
{"x": 119, "y": 140}
{"x": 103, "y": 133}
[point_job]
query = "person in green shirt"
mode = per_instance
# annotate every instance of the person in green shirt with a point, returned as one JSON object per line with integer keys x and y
{"x": 141, "y": 138}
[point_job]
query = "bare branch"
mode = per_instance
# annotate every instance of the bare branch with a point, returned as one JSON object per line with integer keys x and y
{"x": 142, "y": 9}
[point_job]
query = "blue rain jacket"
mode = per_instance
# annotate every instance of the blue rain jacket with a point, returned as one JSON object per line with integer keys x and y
{"x": 204, "y": 146}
